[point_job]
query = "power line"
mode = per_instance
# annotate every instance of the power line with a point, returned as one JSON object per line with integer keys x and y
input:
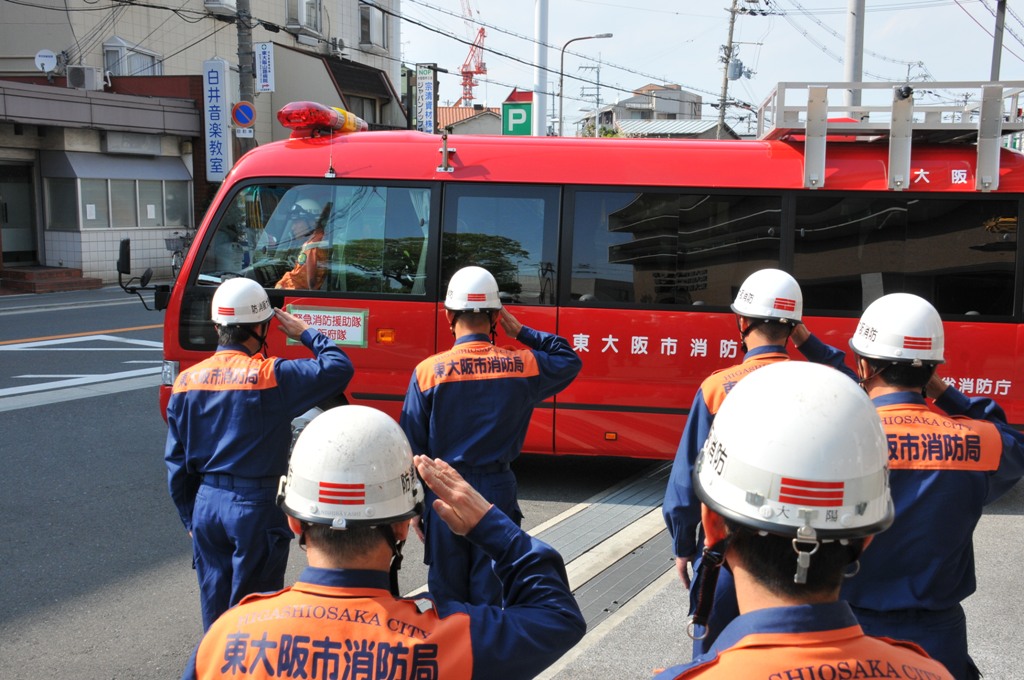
{"x": 835, "y": 34}
{"x": 533, "y": 41}
{"x": 788, "y": 16}
{"x": 1007, "y": 29}
{"x": 960, "y": 5}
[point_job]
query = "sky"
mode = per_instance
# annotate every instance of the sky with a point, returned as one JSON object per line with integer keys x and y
{"x": 679, "y": 41}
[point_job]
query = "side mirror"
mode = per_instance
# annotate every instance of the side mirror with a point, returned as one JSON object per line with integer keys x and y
{"x": 161, "y": 297}
{"x": 124, "y": 258}
{"x": 124, "y": 268}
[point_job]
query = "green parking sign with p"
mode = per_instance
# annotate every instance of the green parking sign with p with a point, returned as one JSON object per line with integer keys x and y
{"x": 517, "y": 118}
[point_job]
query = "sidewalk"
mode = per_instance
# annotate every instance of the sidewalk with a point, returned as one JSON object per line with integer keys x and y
{"x": 649, "y": 632}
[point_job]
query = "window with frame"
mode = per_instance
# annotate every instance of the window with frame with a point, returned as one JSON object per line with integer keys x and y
{"x": 61, "y": 204}
{"x": 509, "y": 230}
{"x": 94, "y": 210}
{"x": 351, "y": 238}
{"x": 667, "y": 248}
{"x": 372, "y": 27}
{"x": 118, "y": 203}
{"x": 364, "y": 107}
{"x": 121, "y": 58}
{"x": 959, "y": 254}
{"x": 124, "y": 205}
{"x": 306, "y": 15}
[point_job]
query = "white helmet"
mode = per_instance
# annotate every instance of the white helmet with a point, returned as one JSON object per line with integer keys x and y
{"x": 770, "y": 294}
{"x": 900, "y": 327}
{"x": 351, "y": 466}
{"x": 472, "y": 289}
{"x": 306, "y": 209}
{"x": 240, "y": 301}
{"x": 797, "y": 449}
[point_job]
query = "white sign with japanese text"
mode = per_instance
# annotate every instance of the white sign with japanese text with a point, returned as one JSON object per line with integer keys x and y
{"x": 264, "y": 66}
{"x": 217, "y": 118}
{"x": 426, "y": 97}
{"x": 346, "y": 327}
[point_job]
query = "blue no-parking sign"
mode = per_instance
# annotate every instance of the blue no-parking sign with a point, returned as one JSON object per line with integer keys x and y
{"x": 243, "y": 114}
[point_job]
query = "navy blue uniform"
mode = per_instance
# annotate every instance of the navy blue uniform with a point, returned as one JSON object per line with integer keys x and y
{"x": 806, "y": 641}
{"x": 943, "y": 471}
{"x": 470, "y": 406}
{"x": 228, "y": 436}
{"x": 681, "y": 507}
{"x": 341, "y": 623}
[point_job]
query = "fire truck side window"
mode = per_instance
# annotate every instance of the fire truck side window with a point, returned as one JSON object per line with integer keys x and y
{"x": 351, "y": 238}
{"x": 957, "y": 253}
{"x": 510, "y": 230}
{"x": 665, "y": 248}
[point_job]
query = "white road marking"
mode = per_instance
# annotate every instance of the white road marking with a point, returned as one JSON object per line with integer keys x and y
{"x": 78, "y": 381}
{"x": 31, "y": 400}
{"x": 69, "y": 386}
{"x": 55, "y": 344}
{"x": 35, "y": 309}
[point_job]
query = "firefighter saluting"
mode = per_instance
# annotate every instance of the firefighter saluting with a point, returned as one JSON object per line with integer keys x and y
{"x": 793, "y": 485}
{"x": 350, "y": 493}
{"x": 228, "y": 434}
{"x": 470, "y": 406}
{"x": 769, "y": 311}
{"x": 944, "y": 471}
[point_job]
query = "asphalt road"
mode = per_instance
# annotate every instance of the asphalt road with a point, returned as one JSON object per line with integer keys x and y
{"x": 96, "y": 568}
{"x": 97, "y": 578}
{"x": 648, "y": 633}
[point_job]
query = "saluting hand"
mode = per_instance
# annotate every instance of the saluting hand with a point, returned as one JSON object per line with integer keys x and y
{"x": 291, "y": 325}
{"x": 458, "y": 504}
{"x": 935, "y": 386}
{"x": 509, "y": 323}
{"x": 800, "y": 334}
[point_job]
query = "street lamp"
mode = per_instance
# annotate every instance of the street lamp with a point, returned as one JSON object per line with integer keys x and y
{"x": 561, "y": 73}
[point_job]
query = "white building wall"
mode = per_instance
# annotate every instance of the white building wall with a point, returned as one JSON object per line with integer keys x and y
{"x": 183, "y": 46}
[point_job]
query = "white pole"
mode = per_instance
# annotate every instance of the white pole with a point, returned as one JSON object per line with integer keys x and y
{"x": 854, "y": 62}
{"x": 540, "y": 71}
{"x": 997, "y": 39}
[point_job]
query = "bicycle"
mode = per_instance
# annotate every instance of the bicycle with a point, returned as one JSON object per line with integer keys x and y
{"x": 179, "y": 245}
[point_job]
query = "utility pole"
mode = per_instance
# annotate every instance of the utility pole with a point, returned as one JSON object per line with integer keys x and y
{"x": 246, "y": 57}
{"x": 854, "y": 65}
{"x": 597, "y": 93}
{"x": 997, "y": 39}
{"x": 540, "y": 71}
{"x": 726, "y": 57}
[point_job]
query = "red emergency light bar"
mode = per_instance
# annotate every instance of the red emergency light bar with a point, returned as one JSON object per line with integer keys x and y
{"x": 309, "y": 116}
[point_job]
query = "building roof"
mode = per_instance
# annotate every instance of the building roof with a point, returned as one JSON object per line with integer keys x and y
{"x": 358, "y": 79}
{"x": 517, "y": 95}
{"x": 667, "y": 128}
{"x": 450, "y": 115}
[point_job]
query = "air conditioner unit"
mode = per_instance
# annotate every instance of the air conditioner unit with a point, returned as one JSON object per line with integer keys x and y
{"x": 221, "y": 7}
{"x": 85, "y": 77}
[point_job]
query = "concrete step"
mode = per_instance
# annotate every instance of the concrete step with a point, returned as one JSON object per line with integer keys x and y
{"x": 39, "y": 279}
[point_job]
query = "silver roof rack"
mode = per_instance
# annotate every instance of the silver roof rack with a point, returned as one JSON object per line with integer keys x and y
{"x": 897, "y": 113}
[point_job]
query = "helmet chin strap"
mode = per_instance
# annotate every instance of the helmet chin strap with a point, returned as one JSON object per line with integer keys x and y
{"x": 863, "y": 380}
{"x": 712, "y": 560}
{"x": 396, "y": 551}
{"x": 744, "y": 333}
{"x": 260, "y": 337}
{"x": 750, "y": 329}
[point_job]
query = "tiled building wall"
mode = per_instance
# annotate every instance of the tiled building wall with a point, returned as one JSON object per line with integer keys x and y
{"x": 95, "y": 251}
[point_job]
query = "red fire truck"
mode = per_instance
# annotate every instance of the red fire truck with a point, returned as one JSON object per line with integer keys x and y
{"x": 632, "y": 249}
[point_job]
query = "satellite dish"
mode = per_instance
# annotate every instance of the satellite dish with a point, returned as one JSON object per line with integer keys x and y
{"x": 46, "y": 61}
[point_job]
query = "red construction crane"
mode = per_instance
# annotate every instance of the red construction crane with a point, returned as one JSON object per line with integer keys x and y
{"x": 474, "y": 64}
